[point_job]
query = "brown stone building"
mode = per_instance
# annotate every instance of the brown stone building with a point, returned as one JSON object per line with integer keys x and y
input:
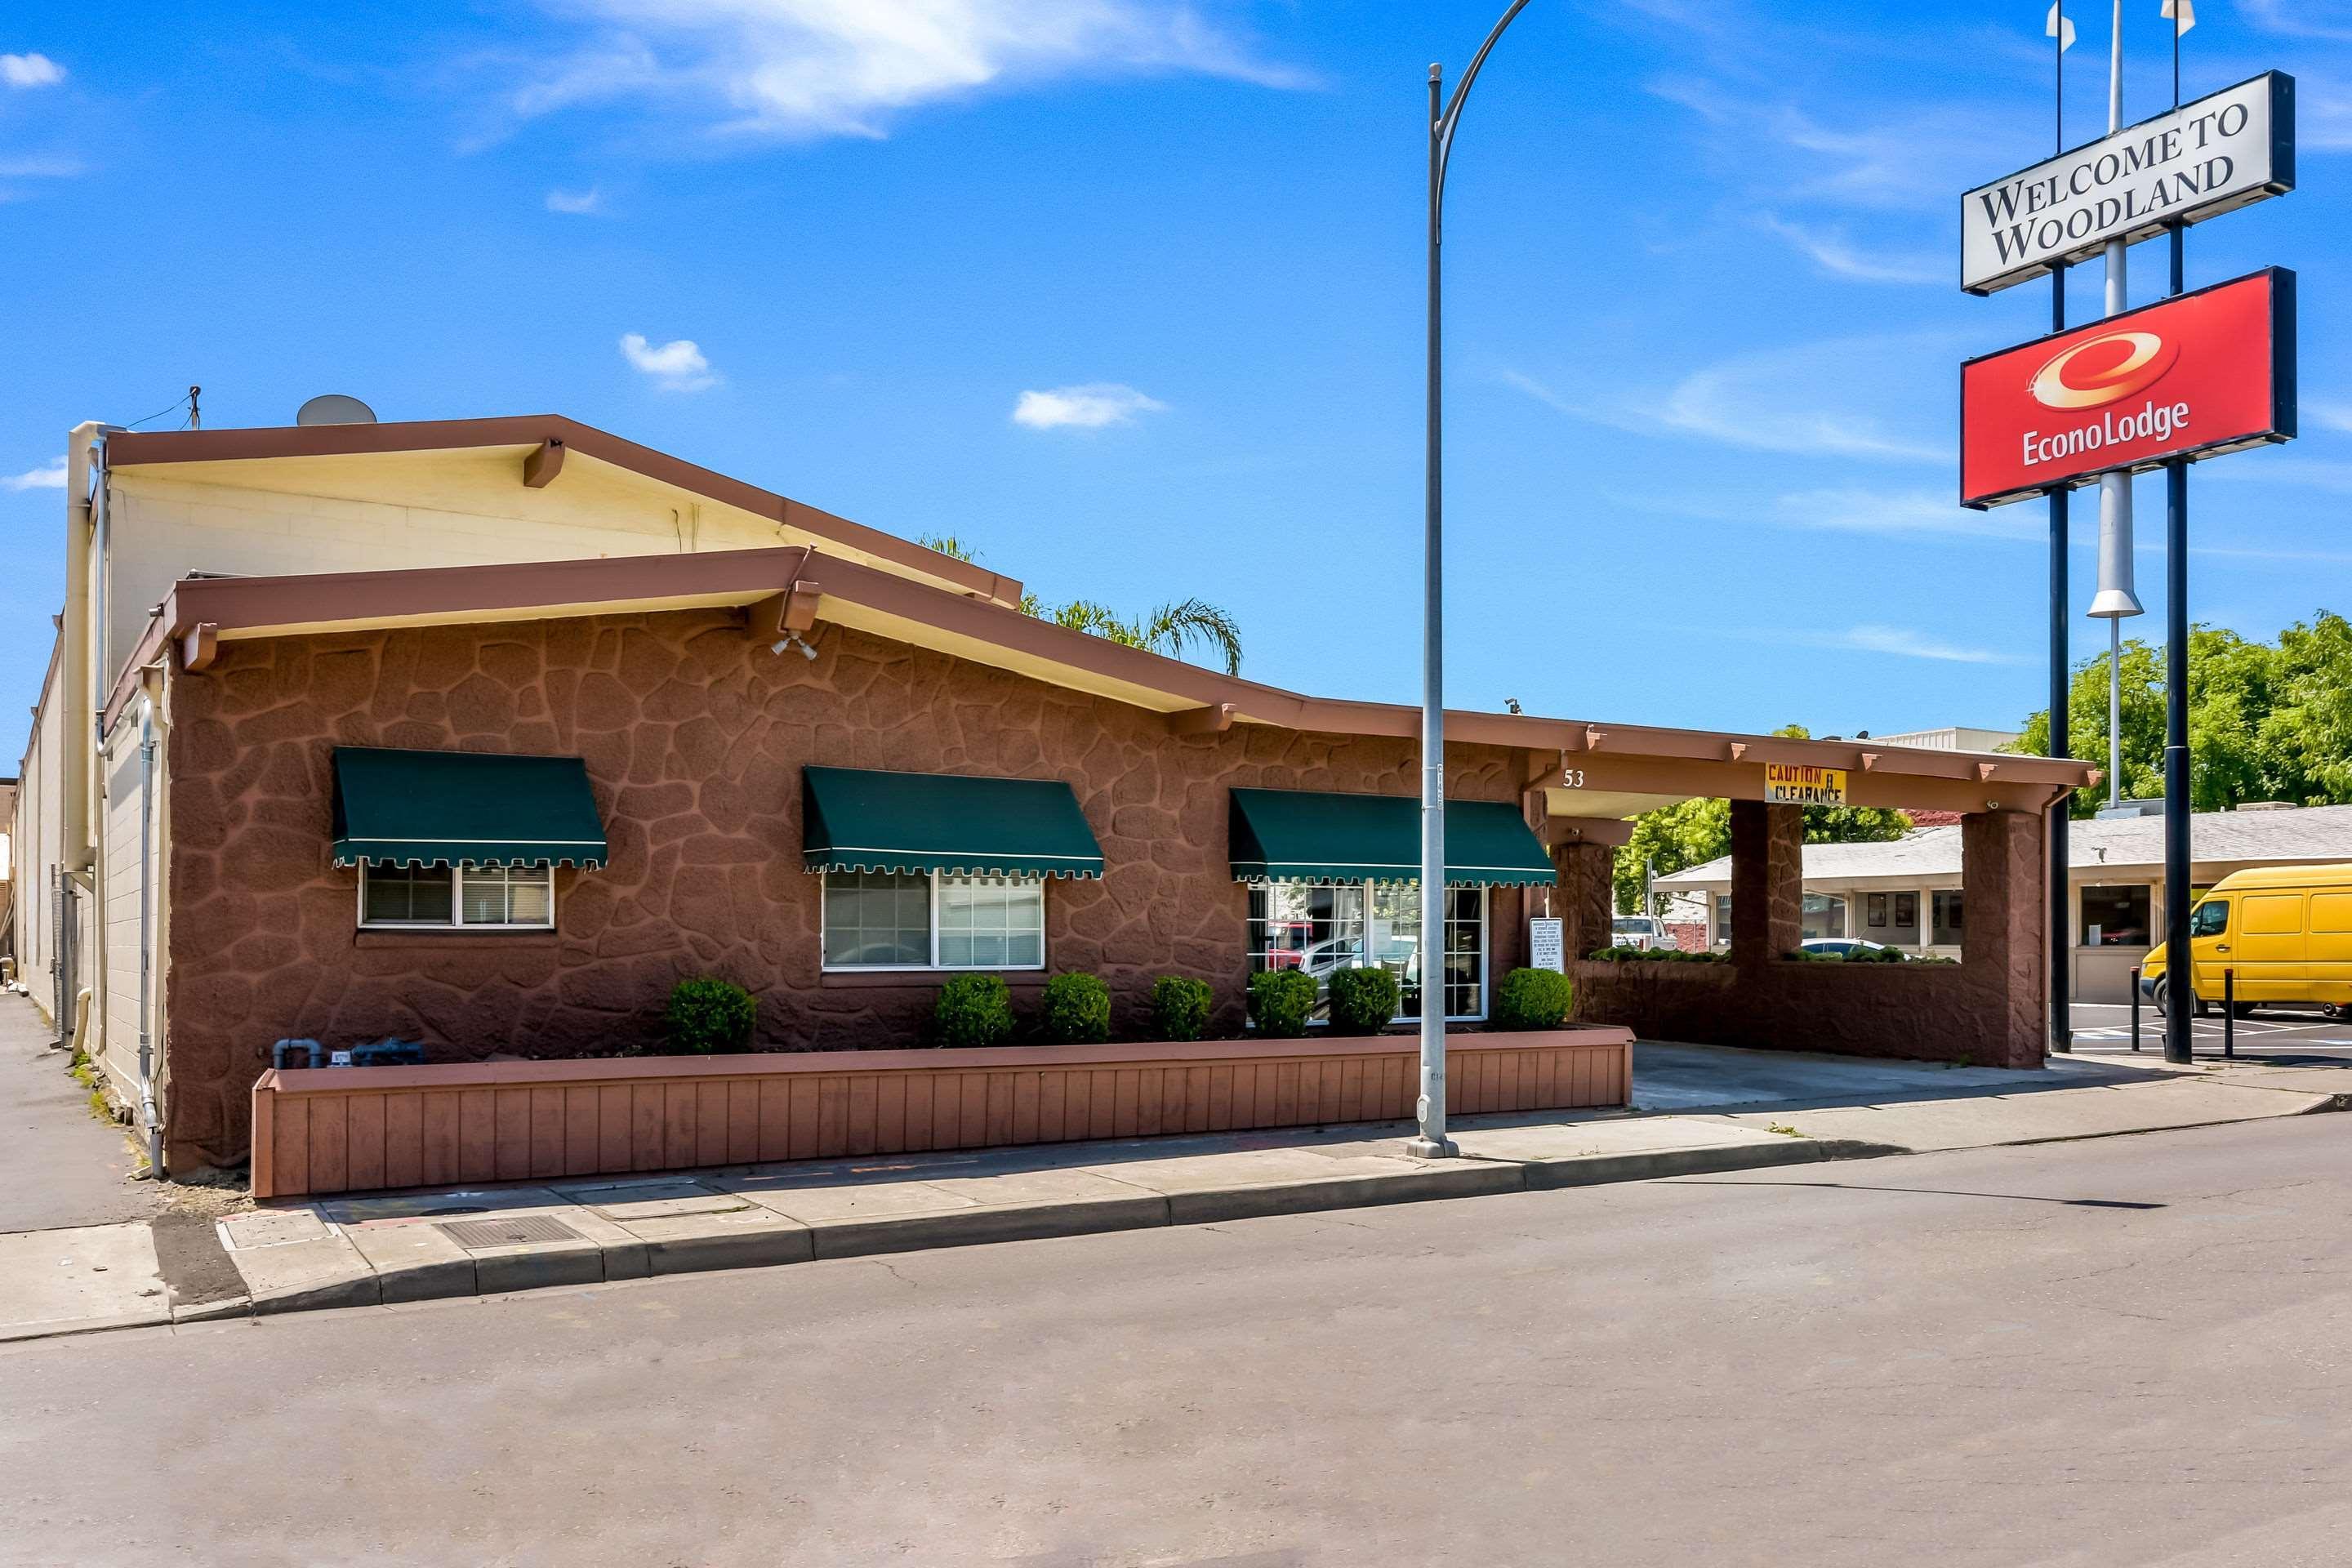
{"x": 483, "y": 735}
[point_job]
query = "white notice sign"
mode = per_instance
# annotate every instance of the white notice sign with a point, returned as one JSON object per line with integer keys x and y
{"x": 2186, "y": 165}
{"x": 1547, "y": 949}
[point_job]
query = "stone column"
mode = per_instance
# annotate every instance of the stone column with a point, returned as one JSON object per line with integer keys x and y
{"x": 1768, "y": 881}
{"x": 1586, "y": 899}
{"x": 2005, "y": 961}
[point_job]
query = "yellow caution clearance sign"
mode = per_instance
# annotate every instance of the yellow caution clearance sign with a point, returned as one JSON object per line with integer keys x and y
{"x": 1791, "y": 784}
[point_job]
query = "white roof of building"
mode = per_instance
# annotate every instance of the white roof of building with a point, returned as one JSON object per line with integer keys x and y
{"x": 1951, "y": 738}
{"x": 2319, "y": 834}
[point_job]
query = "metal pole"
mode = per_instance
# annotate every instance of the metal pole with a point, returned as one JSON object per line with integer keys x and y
{"x": 1431, "y": 1142}
{"x": 2114, "y": 711}
{"x": 2178, "y": 966}
{"x": 2177, "y": 866}
{"x": 2135, "y": 1004}
{"x": 2229, "y": 1012}
{"x": 2059, "y": 861}
{"x": 1429, "y": 1111}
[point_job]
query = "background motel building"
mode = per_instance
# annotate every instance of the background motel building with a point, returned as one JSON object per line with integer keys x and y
{"x": 1910, "y": 892}
{"x": 482, "y": 733}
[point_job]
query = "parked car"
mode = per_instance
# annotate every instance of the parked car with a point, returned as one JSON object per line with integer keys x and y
{"x": 1645, "y": 932}
{"x": 1842, "y": 946}
{"x": 2281, "y": 934}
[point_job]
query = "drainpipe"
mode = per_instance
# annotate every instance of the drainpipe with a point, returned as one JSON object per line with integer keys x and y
{"x": 85, "y": 456}
{"x": 147, "y": 1116}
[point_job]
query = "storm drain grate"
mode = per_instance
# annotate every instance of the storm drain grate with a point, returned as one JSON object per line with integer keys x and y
{"x": 520, "y": 1230}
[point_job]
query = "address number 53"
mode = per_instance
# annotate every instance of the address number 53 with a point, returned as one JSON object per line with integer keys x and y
{"x": 1572, "y": 778}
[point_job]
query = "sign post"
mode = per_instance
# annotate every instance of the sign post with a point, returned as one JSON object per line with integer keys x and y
{"x": 2193, "y": 377}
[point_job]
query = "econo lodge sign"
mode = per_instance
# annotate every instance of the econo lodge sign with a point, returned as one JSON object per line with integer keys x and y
{"x": 2197, "y": 375}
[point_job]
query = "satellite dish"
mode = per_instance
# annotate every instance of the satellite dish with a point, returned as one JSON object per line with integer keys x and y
{"x": 334, "y": 408}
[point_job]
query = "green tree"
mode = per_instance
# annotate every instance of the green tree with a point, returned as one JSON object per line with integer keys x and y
{"x": 1677, "y": 838}
{"x": 1173, "y": 629}
{"x": 2266, "y": 722}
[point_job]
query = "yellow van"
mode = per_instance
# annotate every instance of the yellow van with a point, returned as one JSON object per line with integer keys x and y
{"x": 2284, "y": 931}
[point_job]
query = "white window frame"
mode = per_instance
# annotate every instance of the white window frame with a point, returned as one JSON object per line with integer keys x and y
{"x": 1485, "y": 952}
{"x": 456, "y": 920}
{"x": 826, "y": 966}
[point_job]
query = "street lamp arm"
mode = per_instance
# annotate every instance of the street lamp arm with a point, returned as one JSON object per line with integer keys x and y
{"x": 1451, "y": 117}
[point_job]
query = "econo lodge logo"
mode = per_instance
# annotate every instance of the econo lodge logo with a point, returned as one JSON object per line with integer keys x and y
{"x": 2094, "y": 373}
{"x": 2102, "y": 370}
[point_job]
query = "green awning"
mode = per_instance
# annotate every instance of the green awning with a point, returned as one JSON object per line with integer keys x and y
{"x": 1304, "y": 836}
{"x": 421, "y": 809}
{"x": 854, "y": 819}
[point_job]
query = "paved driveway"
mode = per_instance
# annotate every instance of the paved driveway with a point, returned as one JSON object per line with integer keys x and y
{"x": 1669, "y": 1078}
{"x": 2281, "y": 1036}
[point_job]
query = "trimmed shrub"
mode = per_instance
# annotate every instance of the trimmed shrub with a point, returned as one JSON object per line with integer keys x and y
{"x": 1181, "y": 1008}
{"x": 1655, "y": 955}
{"x": 1363, "y": 1001}
{"x": 973, "y": 1010}
{"x": 1076, "y": 1011}
{"x": 1280, "y": 1002}
{"x": 709, "y": 1016}
{"x": 1533, "y": 999}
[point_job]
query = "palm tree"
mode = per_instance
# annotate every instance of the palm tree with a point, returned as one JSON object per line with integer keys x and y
{"x": 1170, "y": 629}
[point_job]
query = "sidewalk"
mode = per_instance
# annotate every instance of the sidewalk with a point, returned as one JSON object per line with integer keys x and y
{"x": 359, "y": 1252}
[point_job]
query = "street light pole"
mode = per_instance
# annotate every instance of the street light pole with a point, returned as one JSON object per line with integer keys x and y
{"x": 1431, "y": 1142}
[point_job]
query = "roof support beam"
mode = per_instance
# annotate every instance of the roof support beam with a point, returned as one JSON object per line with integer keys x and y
{"x": 1611, "y": 831}
{"x": 199, "y": 646}
{"x": 542, "y": 464}
{"x": 1214, "y": 720}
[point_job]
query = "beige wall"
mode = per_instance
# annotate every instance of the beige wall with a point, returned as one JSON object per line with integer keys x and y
{"x": 387, "y": 513}
{"x": 39, "y": 848}
{"x": 121, "y": 899}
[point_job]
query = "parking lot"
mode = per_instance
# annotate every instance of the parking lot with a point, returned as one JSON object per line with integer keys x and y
{"x": 2282, "y": 1034}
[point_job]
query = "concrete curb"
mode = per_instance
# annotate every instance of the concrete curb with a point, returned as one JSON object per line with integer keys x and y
{"x": 347, "y": 1265}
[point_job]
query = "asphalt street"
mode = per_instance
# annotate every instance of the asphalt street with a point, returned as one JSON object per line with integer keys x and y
{"x": 2123, "y": 1351}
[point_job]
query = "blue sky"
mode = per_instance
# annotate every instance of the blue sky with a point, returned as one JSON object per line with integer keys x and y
{"x": 1127, "y": 295}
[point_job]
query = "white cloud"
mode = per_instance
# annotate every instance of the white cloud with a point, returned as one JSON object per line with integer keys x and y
{"x": 1904, "y": 513}
{"x": 2301, "y": 18}
{"x": 1904, "y": 643}
{"x": 1813, "y": 400}
{"x": 1832, "y": 254}
{"x": 676, "y": 366}
{"x": 2333, "y": 415}
{"x": 49, "y": 476}
{"x": 1087, "y": 408}
{"x": 30, "y": 70}
{"x": 580, "y": 204}
{"x": 841, "y": 68}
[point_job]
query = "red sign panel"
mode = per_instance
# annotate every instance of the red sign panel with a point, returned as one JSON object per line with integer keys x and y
{"x": 2194, "y": 376}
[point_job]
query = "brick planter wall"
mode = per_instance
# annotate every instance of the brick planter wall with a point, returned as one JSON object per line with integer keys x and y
{"x": 328, "y": 1129}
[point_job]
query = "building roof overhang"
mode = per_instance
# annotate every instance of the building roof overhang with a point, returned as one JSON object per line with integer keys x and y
{"x": 1601, "y": 774}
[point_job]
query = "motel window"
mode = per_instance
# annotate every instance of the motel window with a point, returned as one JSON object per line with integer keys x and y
{"x": 1723, "y": 920}
{"x": 1822, "y": 915}
{"x": 2117, "y": 917}
{"x": 1947, "y": 917}
{"x": 919, "y": 919}
{"x": 1319, "y": 928}
{"x": 472, "y": 897}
